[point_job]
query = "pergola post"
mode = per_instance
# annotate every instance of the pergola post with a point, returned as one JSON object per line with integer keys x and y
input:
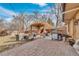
{"x": 71, "y": 28}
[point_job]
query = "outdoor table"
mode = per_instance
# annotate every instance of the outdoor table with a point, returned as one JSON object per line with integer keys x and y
{"x": 64, "y": 36}
{"x": 60, "y": 36}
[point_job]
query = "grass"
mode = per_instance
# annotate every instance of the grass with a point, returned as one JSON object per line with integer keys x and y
{"x": 6, "y": 42}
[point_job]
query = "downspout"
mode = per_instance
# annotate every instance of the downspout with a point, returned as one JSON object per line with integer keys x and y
{"x": 64, "y": 5}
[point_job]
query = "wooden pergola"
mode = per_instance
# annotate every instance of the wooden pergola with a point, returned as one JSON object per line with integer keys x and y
{"x": 70, "y": 11}
{"x": 71, "y": 17}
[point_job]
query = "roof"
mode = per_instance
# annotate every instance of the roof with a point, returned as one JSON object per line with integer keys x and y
{"x": 45, "y": 24}
{"x": 37, "y": 24}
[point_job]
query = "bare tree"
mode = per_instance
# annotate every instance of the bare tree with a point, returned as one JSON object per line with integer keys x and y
{"x": 2, "y": 23}
{"x": 18, "y": 22}
{"x": 50, "y": 22}
{"x": 21, "y": 21}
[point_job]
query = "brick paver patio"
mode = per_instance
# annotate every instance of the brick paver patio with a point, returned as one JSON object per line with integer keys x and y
{"x": 42, "y": 48}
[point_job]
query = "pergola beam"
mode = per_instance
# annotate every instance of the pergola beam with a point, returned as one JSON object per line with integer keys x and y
{"x": 71, "y": 10}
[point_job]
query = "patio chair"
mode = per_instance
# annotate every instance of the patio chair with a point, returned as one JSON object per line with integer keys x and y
{"x": 48, "y": 36}
{"x": 71, "y": 41}
{"x": 23, "y": 36}
{"x": 32, "y": 36}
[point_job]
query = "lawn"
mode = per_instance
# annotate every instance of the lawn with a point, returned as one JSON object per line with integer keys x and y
{"x": 6, "y": 42}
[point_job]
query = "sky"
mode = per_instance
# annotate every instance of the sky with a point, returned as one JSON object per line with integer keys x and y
{"x": 7, "y": 10}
